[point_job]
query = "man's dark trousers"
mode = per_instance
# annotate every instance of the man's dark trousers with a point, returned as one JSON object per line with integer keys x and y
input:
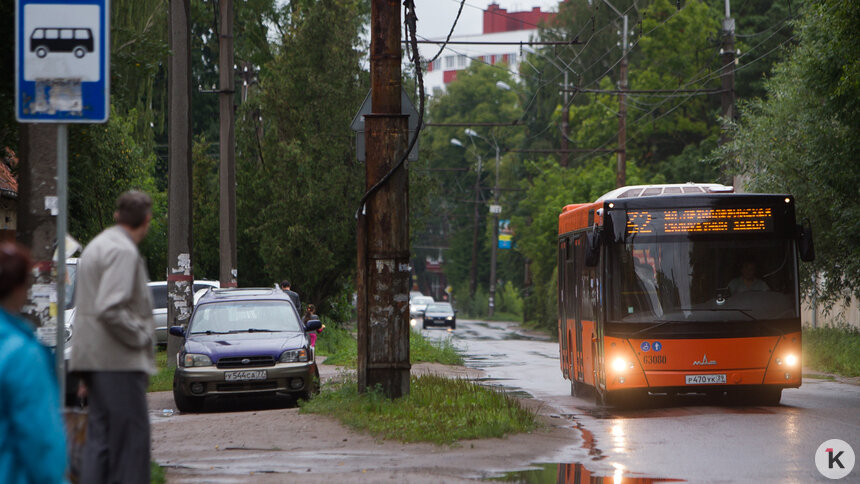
{"x": 117, "y": 446}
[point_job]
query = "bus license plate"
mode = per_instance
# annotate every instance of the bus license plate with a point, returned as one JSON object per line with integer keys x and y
{"x": 245, "y": 375}
{"x": 705, "y": 379}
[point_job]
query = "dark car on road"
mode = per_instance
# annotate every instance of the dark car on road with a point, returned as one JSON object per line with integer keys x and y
{"x": 244, "y": 342}
{"x": 439, "y": 314}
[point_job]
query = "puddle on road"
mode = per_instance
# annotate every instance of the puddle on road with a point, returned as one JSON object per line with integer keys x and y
{"x": 554, "y": 473}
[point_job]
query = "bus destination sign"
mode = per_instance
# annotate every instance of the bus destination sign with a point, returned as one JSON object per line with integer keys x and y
{"x": 699, "y": 220}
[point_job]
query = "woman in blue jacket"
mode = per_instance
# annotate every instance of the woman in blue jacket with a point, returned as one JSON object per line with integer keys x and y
{"x": 32, "y": 437}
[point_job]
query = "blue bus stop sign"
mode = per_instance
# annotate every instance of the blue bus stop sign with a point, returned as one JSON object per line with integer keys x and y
{"x": 62, "y": 56}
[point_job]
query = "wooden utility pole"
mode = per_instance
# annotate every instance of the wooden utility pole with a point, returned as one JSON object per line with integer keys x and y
{"x": 180, "y": 276}
{"x": 228, "y": 273}
{"x": 621, "y": 173}
{"x": 36, "y": 227}
{"x": 383, "y": 224}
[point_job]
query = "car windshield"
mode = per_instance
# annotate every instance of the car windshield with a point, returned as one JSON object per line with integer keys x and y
{"x": 423, "y": 300}
{"x": 711, "y": 280}
{"x": 244, "y": 316}
{"x": 439, "y": 308}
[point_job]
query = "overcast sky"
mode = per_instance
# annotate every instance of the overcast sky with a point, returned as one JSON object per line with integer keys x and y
{"x": 436, "y": 16}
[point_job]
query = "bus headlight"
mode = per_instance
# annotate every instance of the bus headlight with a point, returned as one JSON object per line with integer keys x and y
{"x": 619, "y": 365}
{"x": 791, "y": 360}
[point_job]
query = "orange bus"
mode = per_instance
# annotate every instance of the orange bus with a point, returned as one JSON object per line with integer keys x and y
{"x": 675, "y": 289}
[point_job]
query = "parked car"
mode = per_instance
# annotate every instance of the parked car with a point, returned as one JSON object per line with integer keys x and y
{"x": 159, "y": 305}
{"x": 241, "y": 342}
{"x": 439, "y": 314}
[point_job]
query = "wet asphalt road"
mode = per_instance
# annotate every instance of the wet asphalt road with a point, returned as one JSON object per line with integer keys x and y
{"x": 683, "y": 438}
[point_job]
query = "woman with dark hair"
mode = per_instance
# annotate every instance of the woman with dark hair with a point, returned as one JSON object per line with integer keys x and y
{"x": 311, "y": 313}
{"x": 32, "y": 438}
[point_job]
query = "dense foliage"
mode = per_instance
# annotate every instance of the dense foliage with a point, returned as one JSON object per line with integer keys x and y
{"x": 804, "y": 139}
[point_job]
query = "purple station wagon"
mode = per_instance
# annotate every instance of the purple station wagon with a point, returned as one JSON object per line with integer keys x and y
{"x": 244, "y": 341}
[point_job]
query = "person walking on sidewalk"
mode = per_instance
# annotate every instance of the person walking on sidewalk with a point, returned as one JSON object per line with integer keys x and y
{"x": 32, "y": 437}
{"x": 113, "y": 347}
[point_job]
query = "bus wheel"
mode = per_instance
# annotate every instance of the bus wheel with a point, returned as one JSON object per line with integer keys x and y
{"x": 41, "y": 52}
{"x": 80, "y": 52}
{"x": 766, "y": 397}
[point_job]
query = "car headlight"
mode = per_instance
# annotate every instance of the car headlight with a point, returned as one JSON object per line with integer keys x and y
{"x": 413, "y": 321}
{"x": 193, "y": 359}
{"x": 450, "y": 318}
{"x": 292, "y": 356}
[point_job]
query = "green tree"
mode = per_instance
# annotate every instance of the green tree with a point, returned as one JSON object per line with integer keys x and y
{"x": 804, "y": 139}
{"x": 298, "y": 180}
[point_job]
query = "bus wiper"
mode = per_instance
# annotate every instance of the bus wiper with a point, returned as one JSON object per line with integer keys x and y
{"x": 742, "y": 311}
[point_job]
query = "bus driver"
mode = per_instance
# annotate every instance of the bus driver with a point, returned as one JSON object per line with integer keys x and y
{"x": 747, "y": 281}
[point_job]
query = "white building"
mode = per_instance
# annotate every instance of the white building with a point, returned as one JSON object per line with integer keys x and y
{"x": 499, "y": 26}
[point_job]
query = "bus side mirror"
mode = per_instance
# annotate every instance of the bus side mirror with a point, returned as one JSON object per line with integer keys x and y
{"x": 592, "y": 248}
{"x": 805, "y": 244}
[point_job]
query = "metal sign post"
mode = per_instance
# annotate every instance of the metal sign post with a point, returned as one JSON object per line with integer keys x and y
{"x": 62, "y": 76}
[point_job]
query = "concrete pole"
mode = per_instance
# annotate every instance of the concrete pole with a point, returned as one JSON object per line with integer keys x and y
{"x": 565, "y": 127}
{"x": 473, "y": 270}
{"x": 36, "y": 227}
{"x": 62, "y": 218}
{"x": 727, "y": 78}
{"x": 494, "y": 246}
{"x": 383, "y": 262}
{"x": 227, "y": 175}
{"x": 621, "y": 173}
{"x": 180, "y": 277}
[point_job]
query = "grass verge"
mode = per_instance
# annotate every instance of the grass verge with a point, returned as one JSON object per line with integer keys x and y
{"x": 341, "y": 349}
{"x": 156, "y": 473}
{"x": 163, "y": 380}
{"x": 437, "y": 409}
{"x": 832, "y": 349}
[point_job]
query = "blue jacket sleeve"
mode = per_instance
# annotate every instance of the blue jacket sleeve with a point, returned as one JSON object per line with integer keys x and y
{"x": 36, "y": 423}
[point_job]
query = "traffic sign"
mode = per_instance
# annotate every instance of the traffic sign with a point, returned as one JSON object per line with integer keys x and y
{"x": 62, "y": 58}
{"x": 495, "y": 209}
{"x": 357, "y": 125}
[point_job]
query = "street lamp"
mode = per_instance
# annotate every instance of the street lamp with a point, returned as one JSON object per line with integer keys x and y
{"x": 473, "y": 270}
{"x": 495, "y": 209}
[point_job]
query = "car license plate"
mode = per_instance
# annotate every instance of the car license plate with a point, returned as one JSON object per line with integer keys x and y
{"x": 245, "y": 375}
{"x": 705, "y": 379}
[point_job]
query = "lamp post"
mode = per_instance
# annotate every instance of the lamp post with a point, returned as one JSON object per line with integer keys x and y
{"x": 473, "y": 270}
{"x": 495, "y": 209}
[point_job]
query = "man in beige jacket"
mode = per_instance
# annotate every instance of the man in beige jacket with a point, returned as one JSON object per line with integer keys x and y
{"x": 112, "y": 348}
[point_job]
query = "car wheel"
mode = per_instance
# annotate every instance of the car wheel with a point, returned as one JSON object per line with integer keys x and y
{"x": 80, "y": 52}
{"x": 41, "y": 52}
{"x": 185, "y": 403}
{"x": 453, "y": 325}
{"x": 424, "y": 325}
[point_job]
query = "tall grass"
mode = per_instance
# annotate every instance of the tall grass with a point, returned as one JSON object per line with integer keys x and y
{"x": 341, "y": 349}
{"x": 437, "y": 409}
{"x": 832, "y": 349}
{"x": 163, "y": 380}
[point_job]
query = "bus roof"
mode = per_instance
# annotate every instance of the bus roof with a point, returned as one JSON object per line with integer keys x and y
{"x": 688, "y": 188}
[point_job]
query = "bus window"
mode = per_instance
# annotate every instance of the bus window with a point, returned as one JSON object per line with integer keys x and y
{"x": 692, "y": 281}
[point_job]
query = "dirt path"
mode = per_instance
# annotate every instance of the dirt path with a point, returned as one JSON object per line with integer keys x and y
{"x": 280, "y": 445}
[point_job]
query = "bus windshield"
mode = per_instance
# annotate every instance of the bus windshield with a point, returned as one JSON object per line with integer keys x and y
{"x": 702, "y": 280}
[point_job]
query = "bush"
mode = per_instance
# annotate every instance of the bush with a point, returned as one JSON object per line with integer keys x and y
{"x": 834, "y": 349}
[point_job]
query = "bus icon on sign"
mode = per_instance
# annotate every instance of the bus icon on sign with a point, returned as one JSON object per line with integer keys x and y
{"x": 78, "y": 41}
